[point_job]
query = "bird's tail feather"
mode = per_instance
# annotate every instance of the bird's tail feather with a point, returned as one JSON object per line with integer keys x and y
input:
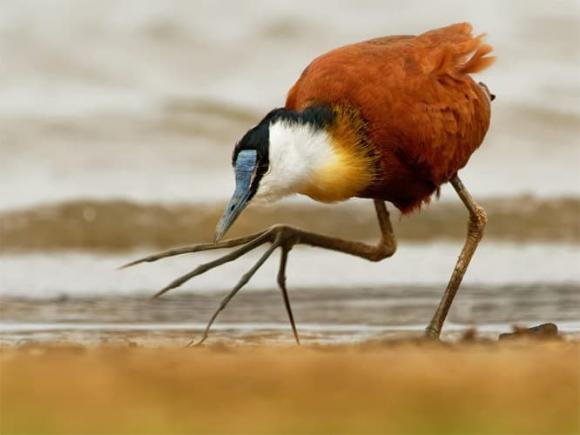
{"x": 454, "y": 51}
{"x": 479, "y": 60}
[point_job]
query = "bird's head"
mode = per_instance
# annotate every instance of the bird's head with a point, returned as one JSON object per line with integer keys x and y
{"x": 311, "y": 152}
{"x": 250, "y": 162}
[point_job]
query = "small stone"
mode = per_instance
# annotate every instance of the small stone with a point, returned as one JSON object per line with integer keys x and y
{"x": 543, "y": 331}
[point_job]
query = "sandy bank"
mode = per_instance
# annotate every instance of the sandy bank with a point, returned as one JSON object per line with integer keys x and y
{"x": 514, "y": 387}
{"x": 122, "y": 225}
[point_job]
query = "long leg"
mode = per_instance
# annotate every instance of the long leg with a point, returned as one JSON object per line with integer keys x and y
{"x": 261, "y": 239}
{"x": 289, "y": 236}
{"x": 285, "y": 237}
{"x": 282, "y": 285}
{"x": 242, "y": 282}
{"x": 477, "y": 221}
{"x": 385, "y": 248}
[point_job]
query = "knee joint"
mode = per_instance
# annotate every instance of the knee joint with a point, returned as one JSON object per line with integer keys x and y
{"x": 478, "y": 218}
{"x": 385, "y": 250}
{"x": 285, "y": 233}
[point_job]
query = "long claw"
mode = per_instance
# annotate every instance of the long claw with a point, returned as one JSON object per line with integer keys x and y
{"x": 243, "y": 281}
{"x": 282, "y": 285}
{"x": 230, "y": 243}
{"x": 210, "y": 265}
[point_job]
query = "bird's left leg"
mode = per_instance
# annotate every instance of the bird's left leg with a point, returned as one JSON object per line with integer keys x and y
{"x": 284, "y": 237}
{"x": 282, "y": 284}
{"x": 477, "y": 221}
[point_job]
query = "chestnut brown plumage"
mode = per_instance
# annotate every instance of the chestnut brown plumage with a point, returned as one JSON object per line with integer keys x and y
{"x": 390, "y": 119}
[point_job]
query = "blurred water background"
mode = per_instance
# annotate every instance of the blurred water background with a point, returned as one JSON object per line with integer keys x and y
{"x": 115, "y": 115}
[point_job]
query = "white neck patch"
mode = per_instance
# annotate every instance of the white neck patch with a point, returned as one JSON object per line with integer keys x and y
{"x": 296, "y": 151}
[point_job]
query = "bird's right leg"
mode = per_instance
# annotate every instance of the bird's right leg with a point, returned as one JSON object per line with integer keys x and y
{"x": 475, "y": 227}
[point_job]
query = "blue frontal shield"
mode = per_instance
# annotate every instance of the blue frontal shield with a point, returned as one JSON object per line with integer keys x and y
{"x": 245, "y": 168}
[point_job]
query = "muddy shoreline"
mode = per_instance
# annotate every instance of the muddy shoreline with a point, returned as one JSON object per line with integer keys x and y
{"x": 323, "y": 315}
{"x": 123, "y": 225}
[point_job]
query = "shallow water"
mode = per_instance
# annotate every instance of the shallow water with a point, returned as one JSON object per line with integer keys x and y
{"x": 336, "y": 298}
{"x": 322, "y": 315}
{"x": 86, "y": 275}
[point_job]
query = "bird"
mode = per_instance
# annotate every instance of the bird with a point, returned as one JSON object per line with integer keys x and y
{"x": 389, "y": 119}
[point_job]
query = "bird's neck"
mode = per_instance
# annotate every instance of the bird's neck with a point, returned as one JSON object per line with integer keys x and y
{"x": 327, "y": 163}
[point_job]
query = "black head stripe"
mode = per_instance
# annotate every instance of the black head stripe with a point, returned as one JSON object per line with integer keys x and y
{"x": 258, "y": 138}
{"x": 318, "y": 117}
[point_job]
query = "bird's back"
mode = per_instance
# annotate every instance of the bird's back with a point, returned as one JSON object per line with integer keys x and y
{"x": 425, "y": 116}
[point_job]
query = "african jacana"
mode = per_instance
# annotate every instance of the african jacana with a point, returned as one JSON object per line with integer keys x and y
{"x": 390, "y": 119}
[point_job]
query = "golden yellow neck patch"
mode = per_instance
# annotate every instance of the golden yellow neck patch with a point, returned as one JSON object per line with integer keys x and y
{"x": 352, "y": 167}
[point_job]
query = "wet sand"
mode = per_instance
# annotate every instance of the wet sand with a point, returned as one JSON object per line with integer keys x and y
{"x": 382, "y": 387}
{"x": 323, "y": 315}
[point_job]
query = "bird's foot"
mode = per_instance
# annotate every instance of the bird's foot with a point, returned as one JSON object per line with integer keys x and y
{"x": 432, "y": 333}
{"x": 279, "y": 236}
